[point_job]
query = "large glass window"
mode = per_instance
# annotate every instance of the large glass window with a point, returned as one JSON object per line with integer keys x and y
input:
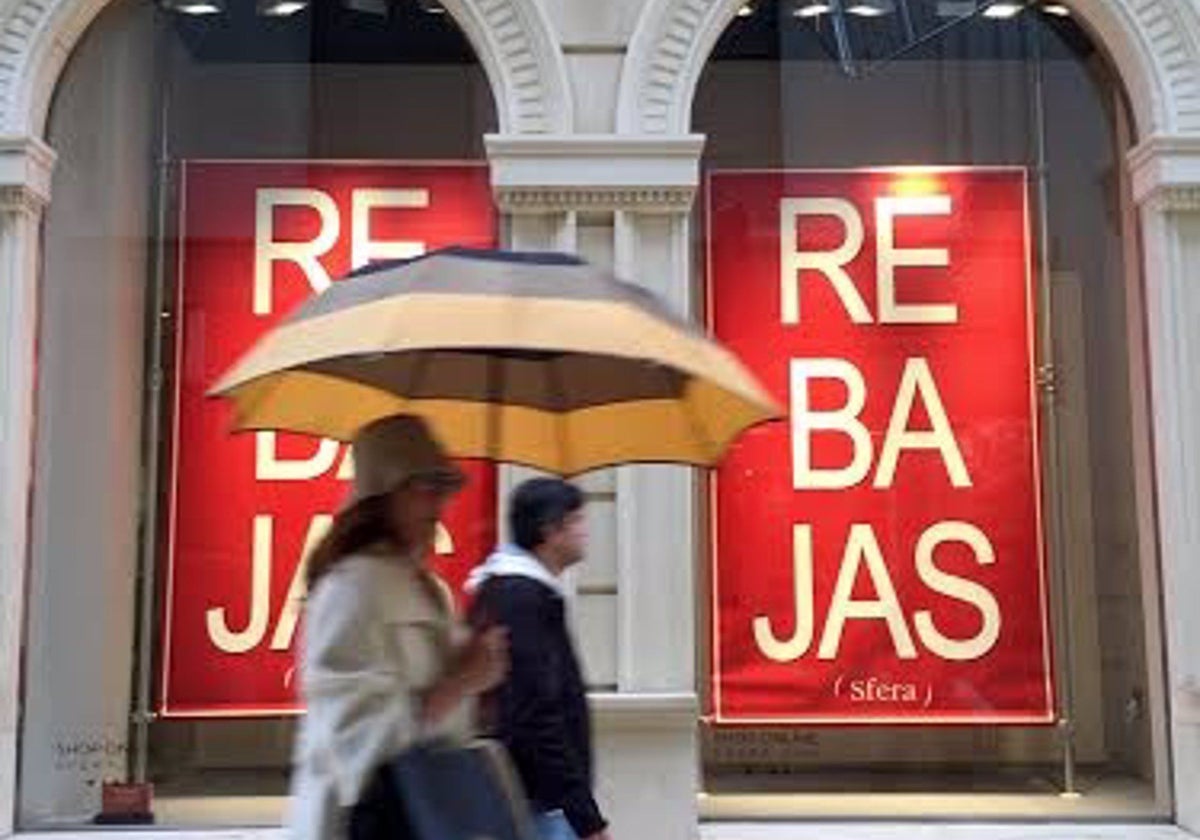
{"x": 217, "y": 162}
{"x": 877, "y": 185}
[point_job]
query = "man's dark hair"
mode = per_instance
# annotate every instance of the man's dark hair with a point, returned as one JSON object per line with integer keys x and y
{"x": 538, "y": 504}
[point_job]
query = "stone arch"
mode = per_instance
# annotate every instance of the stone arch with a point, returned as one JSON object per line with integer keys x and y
{"x": 512, "y": 38}
{"x": 1155, "y": 45}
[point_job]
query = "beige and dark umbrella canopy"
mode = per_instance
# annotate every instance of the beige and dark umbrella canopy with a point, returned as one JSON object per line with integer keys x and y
{"x": 532, "y": 358}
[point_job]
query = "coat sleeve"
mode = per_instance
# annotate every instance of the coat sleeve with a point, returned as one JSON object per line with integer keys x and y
{"x": 361, "y": 709}
{"x": 539, "y": 737}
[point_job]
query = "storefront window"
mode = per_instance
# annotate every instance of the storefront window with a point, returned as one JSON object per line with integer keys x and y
{"x": 938, "y": 577}
{"x": 217, "y": 163}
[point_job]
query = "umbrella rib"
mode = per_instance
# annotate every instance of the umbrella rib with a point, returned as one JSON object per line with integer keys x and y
{"x": 493, "y": 402}
{"x": 417, "y": 376}
{"x": 698, "y": 429}
{"x": 693, "y": 420}
{"x": 558, "y": 395}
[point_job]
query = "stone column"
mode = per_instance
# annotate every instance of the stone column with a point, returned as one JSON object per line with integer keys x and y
{"x": 643, "y": 190}
{"x": 25, "y": 167}
{"x": 1166, "y": 187}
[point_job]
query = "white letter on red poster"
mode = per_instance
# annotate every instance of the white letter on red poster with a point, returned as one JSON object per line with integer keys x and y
{"x": 888, "y": 258}
{"x": 917, "y": 377}
{"x": 229, "y": 641}
{"x": 844, "y": 420}
{"x": 793, "y": 258}
{"x": 861, "y": 545}
{"x": 269, "y": 466}
{"x": 267, "y": 251}
{"x": 802, "y": 582}
{"x": 364, "y": 249}
{"x": 958, "y": 588}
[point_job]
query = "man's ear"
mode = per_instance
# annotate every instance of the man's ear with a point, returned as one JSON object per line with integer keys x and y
{"x": 547, "y": 531}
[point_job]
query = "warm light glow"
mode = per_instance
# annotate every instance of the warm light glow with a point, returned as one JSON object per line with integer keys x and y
{"x": 1003, "y": 11}
{"x": 918, "y": 182}
{"x": 745, "y": 10}
{"x": 1057, "y": 9}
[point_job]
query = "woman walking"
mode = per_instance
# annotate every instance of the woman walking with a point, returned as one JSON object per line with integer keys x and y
{"x": 384, "y": 661}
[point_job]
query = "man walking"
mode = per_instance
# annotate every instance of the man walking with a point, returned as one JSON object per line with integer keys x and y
{"x": 540, "y": 712}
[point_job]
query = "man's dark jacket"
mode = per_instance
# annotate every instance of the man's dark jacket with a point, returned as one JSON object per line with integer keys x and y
{"x": 540, "y": 713}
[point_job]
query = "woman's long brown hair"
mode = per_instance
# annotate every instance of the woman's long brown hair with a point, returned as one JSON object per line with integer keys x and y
{"x": 361, "y": 525}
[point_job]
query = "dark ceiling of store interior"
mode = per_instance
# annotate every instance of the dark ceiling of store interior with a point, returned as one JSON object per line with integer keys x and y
{"x": 325, "y": 32}
{"x": 408, "y": 32}
{"x": 771, "y": 30}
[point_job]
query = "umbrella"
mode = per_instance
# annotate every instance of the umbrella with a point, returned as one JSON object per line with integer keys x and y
{"x": 533, "y": 358}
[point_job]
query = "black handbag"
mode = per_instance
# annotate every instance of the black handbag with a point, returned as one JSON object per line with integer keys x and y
{"x": 440, "y": 791}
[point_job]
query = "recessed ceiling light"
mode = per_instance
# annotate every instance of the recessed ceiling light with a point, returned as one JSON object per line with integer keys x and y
{"x": 870, "y": 8}
{"x": 1003, "y": 11}
{"x": 812, "y": 10}
{"x": 281, "y": 8}
{"x": 195, "y": 7}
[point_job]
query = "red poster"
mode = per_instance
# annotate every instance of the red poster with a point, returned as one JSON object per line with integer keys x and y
{"x": 257, "y": 239}
{"x": 878, "y": 557}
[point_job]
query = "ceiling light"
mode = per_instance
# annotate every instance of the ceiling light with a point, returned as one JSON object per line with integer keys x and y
{"x": 812, "y": 10}
{"x": 194, "y": 7}
{"x": 432, "y": 7}
{"x": 1003, "y": 11}
{"x": 281, "y": 8}
{"x": 870, "y": 8}
{"x": 745, "y": 10}
{"x": 1057, "y": 9}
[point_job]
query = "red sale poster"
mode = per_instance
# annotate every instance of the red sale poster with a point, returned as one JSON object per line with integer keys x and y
{"x": 879, "y": 557}
{"x": 256, "y": 239}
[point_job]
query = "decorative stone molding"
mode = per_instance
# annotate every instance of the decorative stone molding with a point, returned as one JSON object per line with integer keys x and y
{"x": 645, "y": 711}
{"x": 518, "y": 49}
{"x": 1155, "y": 45}
{"x": 1177, "y": 200}
{"x": 669, "y": 48}
{"x": 36, "y": 38}
{"x": 26, "y": 164}
{"x": 549, "y": 200}
{"x": 19, "y": 200}
{"x": 513, "y": 39}
{"x": 594, "y": 172}
{"x": 1166, "y": 173}
{"x": 1173, "y": 40}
